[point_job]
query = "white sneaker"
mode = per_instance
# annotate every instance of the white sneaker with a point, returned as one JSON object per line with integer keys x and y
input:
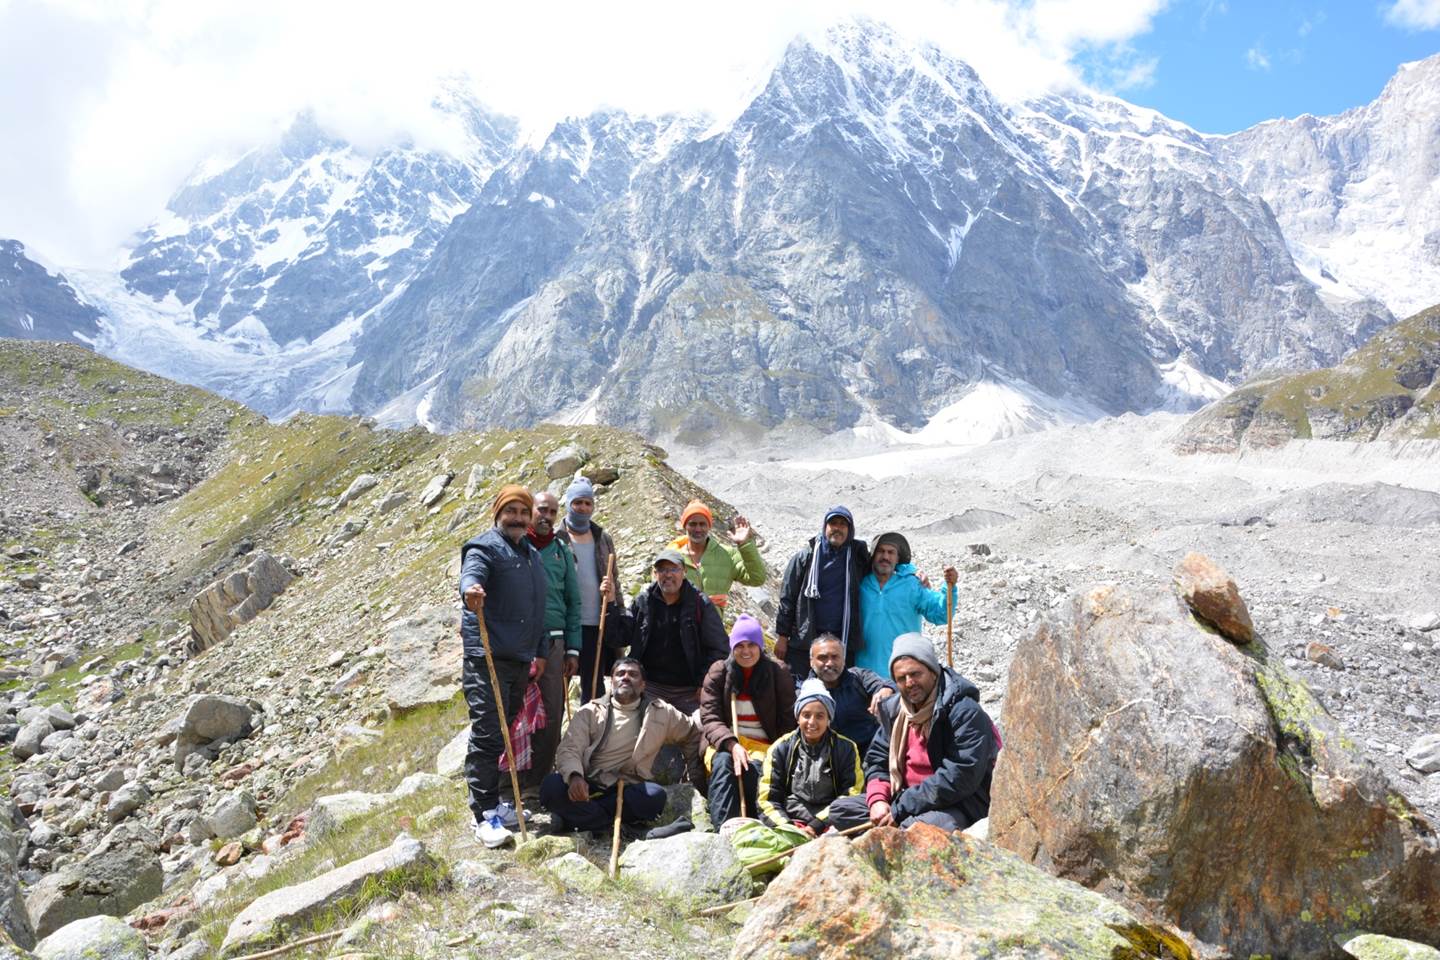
{"x": 492, "y": 833}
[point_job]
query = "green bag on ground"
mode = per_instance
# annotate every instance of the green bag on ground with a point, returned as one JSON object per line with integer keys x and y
{"x": 755, "y": 842}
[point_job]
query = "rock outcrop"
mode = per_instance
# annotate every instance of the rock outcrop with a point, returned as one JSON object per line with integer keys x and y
{"x": 424, "y": 658}
{"x": 236, "y": 598}
{"x": 925, "y": 894}
{"x": 267, "y": 918}
{"x": 698, "y": 868}
{"x": 1197, "y": 780}
{"x": 211, "y": 720}
{"x": 119, "y": 875}
{"x": 14, "y": 921}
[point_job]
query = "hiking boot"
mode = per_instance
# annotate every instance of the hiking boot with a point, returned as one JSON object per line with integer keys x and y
{"x": 677, "y": 826}
{"x": 507, "y": 816}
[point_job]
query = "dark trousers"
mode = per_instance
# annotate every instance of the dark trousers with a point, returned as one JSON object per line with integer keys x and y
{"x": 487, "y": 744}
{"x": 543, "y": 742}
{"x": 724, "y": 796}
{"x": 589, "y": 641}
{"x": 853, "y": 811}
{"x": 643, "y": 803}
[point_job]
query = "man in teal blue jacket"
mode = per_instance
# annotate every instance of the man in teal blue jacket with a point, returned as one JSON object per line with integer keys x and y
{"x": 892, "y": 601}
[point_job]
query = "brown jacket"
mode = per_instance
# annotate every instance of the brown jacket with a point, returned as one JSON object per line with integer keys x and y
{"x": 772, "y": 690}
{"x": 660, "y": 724}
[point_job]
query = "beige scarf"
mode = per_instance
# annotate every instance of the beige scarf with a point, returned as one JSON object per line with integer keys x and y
{"x": 906, "y": 718}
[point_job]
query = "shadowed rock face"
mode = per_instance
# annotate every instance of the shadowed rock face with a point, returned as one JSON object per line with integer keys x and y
{"x": 925, "y": 893}
{"x": 1150, "y": 758}
{"x": 36, "y": 304}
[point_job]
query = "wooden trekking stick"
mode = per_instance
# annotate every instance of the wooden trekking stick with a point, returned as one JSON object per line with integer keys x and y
{"x": 615, "y": 841}
{"x": 504, "y": 725}
{"x": 847, "y": 832}
{"x": 600, "y": 638}
{"x": 949, "y": 628}
{"x": 735, "y": 729}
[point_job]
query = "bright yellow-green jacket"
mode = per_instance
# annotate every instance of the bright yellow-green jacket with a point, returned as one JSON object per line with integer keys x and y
{"x": 721, "y": 565}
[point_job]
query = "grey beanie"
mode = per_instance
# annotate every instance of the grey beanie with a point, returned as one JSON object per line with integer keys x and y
{"x": 916, "y": 647}
{"x": 814, "y": 689}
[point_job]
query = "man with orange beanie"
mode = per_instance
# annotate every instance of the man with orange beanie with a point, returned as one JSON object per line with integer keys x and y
{"x": 502, "y": 578}
{"x": 712, "y": 566}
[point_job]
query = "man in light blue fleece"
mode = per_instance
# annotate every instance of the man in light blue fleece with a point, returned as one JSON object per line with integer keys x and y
{"x": 893, "y": 600}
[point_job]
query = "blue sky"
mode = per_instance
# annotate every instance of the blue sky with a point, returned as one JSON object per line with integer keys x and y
{"x": 1221, "y": 67}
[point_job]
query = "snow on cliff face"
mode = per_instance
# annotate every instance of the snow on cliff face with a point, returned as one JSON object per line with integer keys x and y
{"x": 264, "y": 264}
{"x": 1358, "y": 194}
{"x": 874, "y": 242}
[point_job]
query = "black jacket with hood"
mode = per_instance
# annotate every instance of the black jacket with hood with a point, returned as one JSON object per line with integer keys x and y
{"x": 962, "y": 750}
{"x": 795, "y": 617}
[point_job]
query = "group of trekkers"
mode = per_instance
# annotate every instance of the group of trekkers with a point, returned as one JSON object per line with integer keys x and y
{"x": 852, "y": 719}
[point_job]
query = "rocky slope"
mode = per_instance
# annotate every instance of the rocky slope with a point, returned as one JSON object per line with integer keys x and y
{"x": 1389, "y": 389}
{"x": 36, "y": 304}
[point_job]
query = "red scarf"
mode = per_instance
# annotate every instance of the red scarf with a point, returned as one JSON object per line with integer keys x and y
{"x": 540, "y": 542}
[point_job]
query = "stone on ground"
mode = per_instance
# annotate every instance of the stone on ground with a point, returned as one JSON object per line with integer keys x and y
{"x": 1370, "y": 946}
{"x": 14, "y": 920}
{"x": 211, "y": 718}
{"x": 362, "y": 483}
{"x": 423, "y": 659}
{"x": 333, "y": 812}
{"x": 93, "y": 938}
{"x": 576, "y": 872}
{"x": 697, "y": 868}
{"x": 1201, "y": 781}
{"x": 925, "y": 894}
{"x": 110, "y": 881}
{"x": 126, "y": 800}
{"x": 435, "y": 488}
{"x": 267, "y": 919}
{"x": 1212, "y": 594}
{"x": 233, "y": 816}
{"x": 450, "y": 761}
{"x": 539, "y": 849}
{"x": 1424, "y": 754}
{"x": 235, "y": 598}
{"x": 28, "y": 741}
{"x": 565, "y": 461}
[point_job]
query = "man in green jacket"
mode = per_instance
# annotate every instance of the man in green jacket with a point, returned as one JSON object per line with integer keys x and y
{"x": 712, "y": 566}
{"x": 561, "y": 645}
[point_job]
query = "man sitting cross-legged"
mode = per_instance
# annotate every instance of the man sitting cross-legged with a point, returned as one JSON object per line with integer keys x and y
{"x": 616, "y": 737}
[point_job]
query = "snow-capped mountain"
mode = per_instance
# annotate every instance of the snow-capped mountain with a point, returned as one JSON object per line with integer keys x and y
{"x": 873, "y": 243}
{"x": 38, "y": 303}
{"x": 1358, "y": 194}
{"x": 261, "y": 269}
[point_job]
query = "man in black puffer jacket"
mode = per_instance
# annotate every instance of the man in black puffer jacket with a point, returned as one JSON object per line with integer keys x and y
{"x": 933, "y": 757}
{"x": 821, "y": 593}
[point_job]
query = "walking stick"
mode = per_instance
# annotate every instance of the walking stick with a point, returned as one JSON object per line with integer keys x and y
{"x": 504, "y": 726}
{"x": 600, "y": 639}
{"x": 615, "y": 841}
{"x": 735, "y": 729}
{"x": 949, "y": 627}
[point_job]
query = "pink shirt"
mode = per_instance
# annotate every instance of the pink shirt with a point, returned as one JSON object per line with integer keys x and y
{"x": 917, "y": 768}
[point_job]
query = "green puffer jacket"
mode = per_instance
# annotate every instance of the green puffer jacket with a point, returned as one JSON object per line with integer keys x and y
{"x": 562, "y": 598}
{"x": 721, "y": 565}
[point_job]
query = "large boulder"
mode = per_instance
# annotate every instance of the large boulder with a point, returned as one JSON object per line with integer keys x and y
{"x": 1149, "y": 757}
{"x": 93, "y": 938}
{"x": 925, "y": 894}
{"x": 14, "y": 921}
{"x": 423, "y": 658}
{"x": 209, "y": 719}
{"x": 114, "y": 879}
{"x": 697, "y": 868}
{"x": 564, "y": 461}
{"x": 234, "y": 816}
{"x": 267, "y": 919}
{"x": 235, "y": 598}
{"x": 331, "y": 813}
{"x": 31, "y": 736}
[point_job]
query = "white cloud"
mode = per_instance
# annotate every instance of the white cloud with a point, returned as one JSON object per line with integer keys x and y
{"x": 1257, "y": 59}
{"x": 116, "y": 101}
{"x": 1414, "y": 14}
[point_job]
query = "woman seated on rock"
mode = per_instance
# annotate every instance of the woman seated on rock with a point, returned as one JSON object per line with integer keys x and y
{"x": 810, "y": 768}
{"x": 746, "y": 703}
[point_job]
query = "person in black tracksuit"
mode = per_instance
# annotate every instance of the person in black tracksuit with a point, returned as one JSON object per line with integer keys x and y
{"x": 503, "y": 576}
{"x": 824, "y": 596}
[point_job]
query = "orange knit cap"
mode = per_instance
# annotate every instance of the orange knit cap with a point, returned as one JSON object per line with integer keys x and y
{"x": 512, "y": 493}
{"x": 696, "y": 509}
